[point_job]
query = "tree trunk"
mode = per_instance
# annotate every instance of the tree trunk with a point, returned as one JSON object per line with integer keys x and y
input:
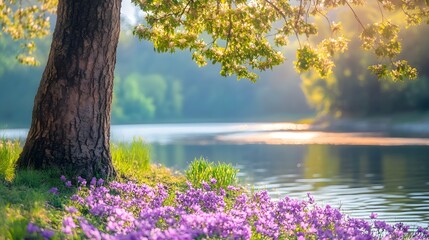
{"x": 70, "y": 126}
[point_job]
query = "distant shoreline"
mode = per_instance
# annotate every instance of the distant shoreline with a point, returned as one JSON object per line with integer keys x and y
{"x": 404, "y": 124}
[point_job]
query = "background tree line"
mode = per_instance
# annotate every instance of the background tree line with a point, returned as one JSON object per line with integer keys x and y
{"x": 153, "y": 87}
{"x": 172, "y": 88}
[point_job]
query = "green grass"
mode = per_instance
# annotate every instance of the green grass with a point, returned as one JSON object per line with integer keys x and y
{"x": 25, "y": 196}
{"x": 9, "y": 153}
{"x": 131, "y": 159}
{"x": 132, "y": 162}
{"x": 202, "y": 170}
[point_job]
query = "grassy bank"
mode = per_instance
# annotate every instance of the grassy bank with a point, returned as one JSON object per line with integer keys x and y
{"x": 147, "y": 201}
{"x": 31, "y": 196}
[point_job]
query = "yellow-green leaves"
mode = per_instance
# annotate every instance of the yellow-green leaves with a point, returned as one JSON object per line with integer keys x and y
{"x": 382, "y": 39}
{"x": 233, "y": 34}
{"x": 245, "y": 37}
{"x": 242, "y": 36}
{"x": 399, "y": 70}
{"x": 320, "y": 58}
{"x": 24, "y": 21}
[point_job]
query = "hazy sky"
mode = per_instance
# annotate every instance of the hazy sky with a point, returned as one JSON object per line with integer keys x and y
{"x": 128, "y": 12}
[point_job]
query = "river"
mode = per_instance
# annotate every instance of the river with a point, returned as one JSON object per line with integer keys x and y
{"x": 359, "y": 172}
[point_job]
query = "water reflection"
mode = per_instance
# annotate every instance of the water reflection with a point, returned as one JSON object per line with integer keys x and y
{"x": 317, "y": 137}
{"x": 392, "y": 181}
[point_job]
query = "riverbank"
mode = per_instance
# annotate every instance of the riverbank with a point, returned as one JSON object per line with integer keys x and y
{"x": 162, "y": 205}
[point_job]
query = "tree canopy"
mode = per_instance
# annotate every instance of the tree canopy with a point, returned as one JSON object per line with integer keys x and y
{"x": 245, "y": 37}
{"x": 351, "y": 91}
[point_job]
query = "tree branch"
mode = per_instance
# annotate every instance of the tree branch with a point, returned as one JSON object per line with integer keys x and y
{"x": 381, "y": 10}
{"x": 355, "y": 15}
{"x": 279, "y": 11}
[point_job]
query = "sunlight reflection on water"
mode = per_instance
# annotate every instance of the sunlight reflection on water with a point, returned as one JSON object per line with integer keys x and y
{"x": 330, "y": 138}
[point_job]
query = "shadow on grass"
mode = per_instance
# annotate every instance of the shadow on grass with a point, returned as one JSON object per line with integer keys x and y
{"x": 27, "y": 199}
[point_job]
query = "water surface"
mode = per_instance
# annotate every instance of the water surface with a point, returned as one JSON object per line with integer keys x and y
{"x": 358, "y": 172}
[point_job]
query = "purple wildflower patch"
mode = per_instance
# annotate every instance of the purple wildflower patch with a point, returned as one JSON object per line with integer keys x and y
{"x": 136, "y": 211}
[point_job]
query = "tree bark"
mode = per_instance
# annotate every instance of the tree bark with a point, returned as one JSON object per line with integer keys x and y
{"x": 70, "y": 126}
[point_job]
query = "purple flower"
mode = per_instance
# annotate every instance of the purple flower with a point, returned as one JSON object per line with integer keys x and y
{"x": 71, "y": 209}
{"x": 206, "y": 186}
{"x": 90, "y": 231}
{"x": 68, "y": 225}
{"x": 100, "y": 182}
{"x": 54, "y": 190}
{"x": 47, "y": 234}
{"x": 213, "y": 181}
{"x": 68, "y": 184}
{"x": 93, "y": 181}
{"x": 68, "y": 221}
{"x": 32, "y": 228}
{"x": 63, "y": 178}
{"x": 380, "y": 224}
{"x": 81, "y": 181}
{"x": 67, "y": 230}
{"x": 232, "y": 188}
{"x": 137, "y": 211}
{"x": 373, "y": 215}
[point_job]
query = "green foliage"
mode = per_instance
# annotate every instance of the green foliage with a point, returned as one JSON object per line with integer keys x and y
{"x": 131, "y": 159}
{"x": 383, "y": 39}
{"x": 229, "y": 33}
{"x": 9, "y": 153}
{"x": 319, "y": 91}
{"x": 202, "y": 170}
{"x": 130, "y": 103}
{"x": 139, "y": 98}
{"x": 243, "y": 37}
{"x": 237, "y": 34}
{"x": 24, "y": 22}
{"x": 351, "y": 91}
